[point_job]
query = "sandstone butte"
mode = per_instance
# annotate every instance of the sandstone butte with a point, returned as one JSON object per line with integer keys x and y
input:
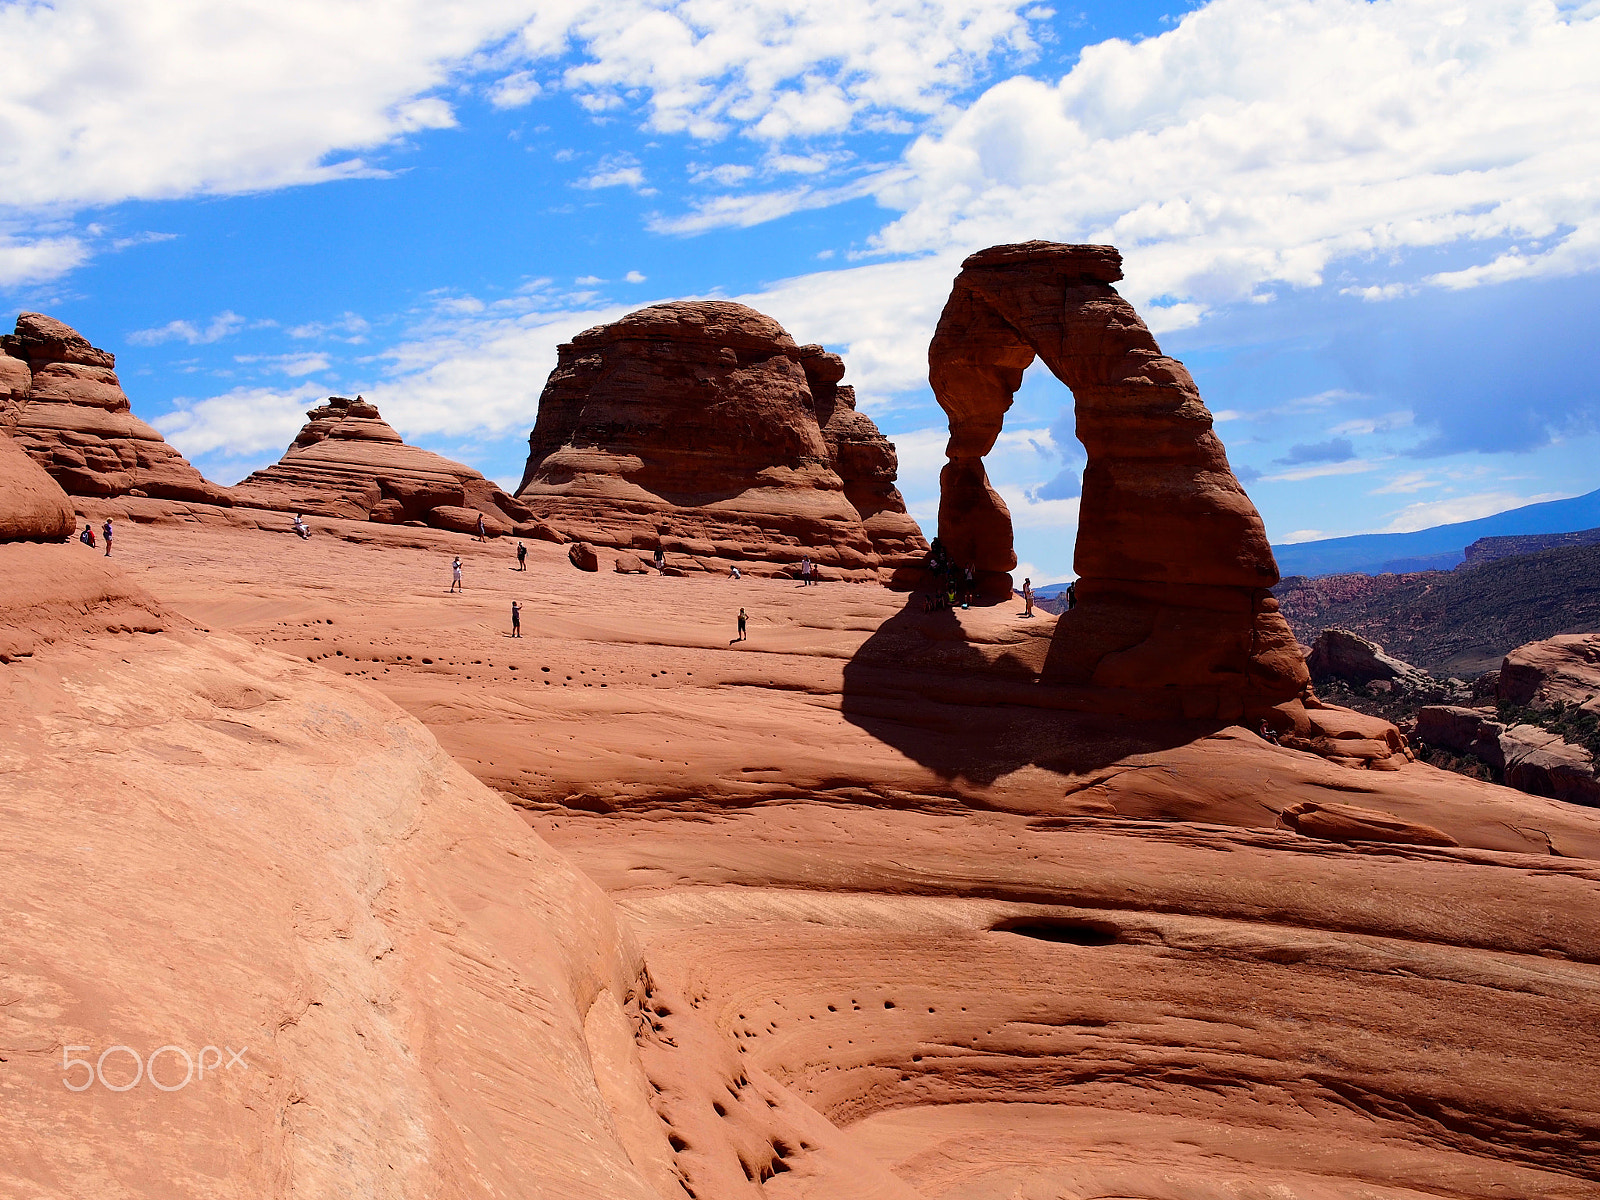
{"x": 625, "y": 909}
{"x": 702, "y": 428}
{"x": 62, "y": 402}
{"x": 347, "y": 461}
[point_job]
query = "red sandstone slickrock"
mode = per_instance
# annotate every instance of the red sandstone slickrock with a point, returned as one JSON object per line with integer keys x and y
{"x": 703, "y": 428}
{"x": 61, "y": 400}
{"x": 1172, "y": 557}
{"x": 348, "y": 461}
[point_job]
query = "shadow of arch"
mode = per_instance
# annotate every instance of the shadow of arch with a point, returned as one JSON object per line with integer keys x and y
{"x": 973, "y": 712}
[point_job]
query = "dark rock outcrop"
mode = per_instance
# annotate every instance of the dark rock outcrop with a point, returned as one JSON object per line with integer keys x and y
{"x": 61, "y": 400}
{"x": 702, "y": 428}
{"x": 1532, "y": 760}
{"x": 1173, "y": 561}
{"x": 347, "y": 461}
{"x": 1340, "y": 654}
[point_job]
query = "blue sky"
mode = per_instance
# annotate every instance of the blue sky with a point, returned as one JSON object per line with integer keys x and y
{"x": 1372, "y": 231}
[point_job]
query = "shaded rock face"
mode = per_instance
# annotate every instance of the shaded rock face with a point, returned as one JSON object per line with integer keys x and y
{"x": 33, "y": 508}
{"x": 1534, "y": 760}
{"x": 61, "y": 400}
{"x": 1340, "y": 654}
{"x": 1172, "y": 557}
{"x": 701, "y": 427}
{"x": 348, "y": 461}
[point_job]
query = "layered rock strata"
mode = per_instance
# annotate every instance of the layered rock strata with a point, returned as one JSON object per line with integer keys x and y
{"x": 347, "y": 461}
{"x": 61, "y": 400}
{"x": 701, "y": 427}
{"x": 1172, "y": 557}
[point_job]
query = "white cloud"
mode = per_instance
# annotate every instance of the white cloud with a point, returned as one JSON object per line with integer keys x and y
{"x": 224, "y": 324}
{"x": 34, "y": 260}
{"x": 1354, "y": 466}
{"x": 617, "y": 170}
{"x": 349, "y": 327}
{"x": 1260, "y": 141}
{"x": 293, "y": 365}
{"x": 245, "y": 423}
{"x": 515, "y": 90}
{"x": 634, "y": 277}
{"x": 1428, "y": 513}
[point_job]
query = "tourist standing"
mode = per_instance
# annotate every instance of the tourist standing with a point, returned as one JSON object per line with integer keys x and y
{"x": 483, "y": 536}
{"x": 1027, "y": 597}
{"x": 805, "y": 571}
{"x": 522, "y": 557}
{"x": 516, "y": 619}
{"x": 1072, "y": 595}
{"x": 455, "y": 576}
{"x": 105, "y": 532}
{"x": 742, "y": 620}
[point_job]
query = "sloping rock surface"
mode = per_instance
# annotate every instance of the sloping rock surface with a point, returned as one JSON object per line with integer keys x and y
{"x": 872, "y": 931}
{"x": 1172, "y": 557}
{"x": 65, "y": 407}
{"x": 701, "y": 427}
{"x": 348, "y": 461}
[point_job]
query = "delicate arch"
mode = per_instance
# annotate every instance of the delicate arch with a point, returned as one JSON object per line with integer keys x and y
{"x": 1172, "y": 557}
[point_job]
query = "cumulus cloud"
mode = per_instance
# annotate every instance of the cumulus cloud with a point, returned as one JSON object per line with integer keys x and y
{"x": 245, "y": 423}
{"x": 1259, "y": 142}
{"x": 34, "y": 260}
{"x": 224, "y": 324}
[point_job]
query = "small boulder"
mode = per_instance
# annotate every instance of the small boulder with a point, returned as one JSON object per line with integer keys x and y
{"x": 630, "y": 564}
{"x": 33, "y": 508}
{"x": 583, "y": 556}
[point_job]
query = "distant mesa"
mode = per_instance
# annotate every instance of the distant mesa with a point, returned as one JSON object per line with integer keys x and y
{"x": 61, "y": 401}
{"x": 347, "y": 461}
{"x": 701, "y": 427}
{"x": 1173, "y": 562}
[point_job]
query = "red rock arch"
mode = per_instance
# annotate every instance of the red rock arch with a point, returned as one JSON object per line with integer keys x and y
{"x": 1172, "y": 557}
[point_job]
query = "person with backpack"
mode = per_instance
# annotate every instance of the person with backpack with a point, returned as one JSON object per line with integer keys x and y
{"x": 522, "y": 557}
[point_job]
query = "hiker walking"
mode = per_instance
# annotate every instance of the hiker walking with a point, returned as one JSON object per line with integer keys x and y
{"x": 742, "y": 620}
{"x": 661, "y": 558}
{"x": 455, "y": 576}
{"x": 522, "y": 557}
{"x": 516, "y": 619}
{"x": 483, "y": 535}
{"x": 105, "y": 532}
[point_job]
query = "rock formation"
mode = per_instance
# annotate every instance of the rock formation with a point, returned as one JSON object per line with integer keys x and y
{"x": 701, "y": 427}
{"x": 62, "y": 402}
{"x": 33, "y": 508}
{"x": 1531, "y": 759}
{"x": 347, "y": 461}
{"x": 1561, "y": 670}
{"x": 1340, "y": 654}
{"x": 1172, "y": 558}
{"x": 735, "y": 944}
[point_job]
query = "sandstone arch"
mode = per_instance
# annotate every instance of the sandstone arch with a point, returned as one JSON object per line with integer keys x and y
{"x": 1172, "y": 557}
